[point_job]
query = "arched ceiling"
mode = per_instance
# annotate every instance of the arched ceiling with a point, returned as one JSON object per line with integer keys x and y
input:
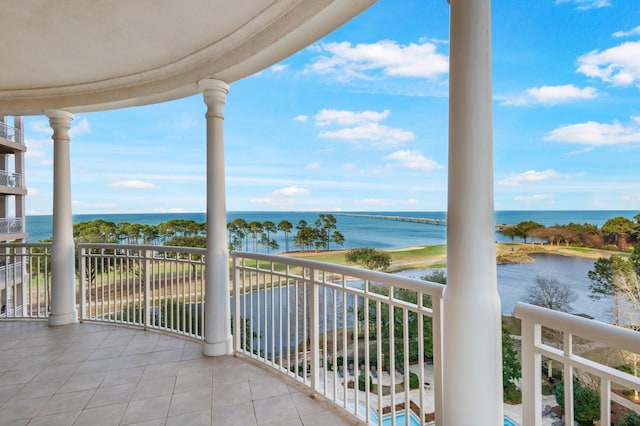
{"x": 84, "y": 55}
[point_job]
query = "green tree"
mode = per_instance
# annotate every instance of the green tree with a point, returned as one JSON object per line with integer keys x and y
{"x": 285, "y": 226}
{"x": 523, "y": 228}
{"x": 337, "y": 238}
{"x": 369, "y": 258}
{"x": 255, "y": 228}
{"x": 268, "y": 228}
{"x": 509, "y": 232}
{"x": 511, "y": 367}
{"x": 621, "y": 228}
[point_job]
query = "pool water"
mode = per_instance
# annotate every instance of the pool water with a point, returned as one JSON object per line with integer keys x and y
{"x": 509, "y": 422}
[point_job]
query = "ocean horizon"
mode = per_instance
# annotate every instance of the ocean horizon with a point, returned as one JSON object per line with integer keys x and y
{"x": 358, "y": 231}
{"x": 513, "y": 280}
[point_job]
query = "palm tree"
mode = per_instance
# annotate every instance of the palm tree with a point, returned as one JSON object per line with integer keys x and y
{"x": 285, "y": 226}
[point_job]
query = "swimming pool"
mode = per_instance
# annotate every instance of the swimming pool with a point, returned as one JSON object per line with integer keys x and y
{"x": 509, "y": 422}
{"x": 413, "y": 420}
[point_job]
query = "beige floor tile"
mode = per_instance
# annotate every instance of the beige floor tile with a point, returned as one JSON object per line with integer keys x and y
{"x": 305, "y": 404}
{"x": 79, "y": 382}
{"x": 274, "y": 409}
{"x": 108, "y": 415}
{"x": 123, "y": 376}
{"x": 112, "y": 395}
{"x": 146, "y": 409}
{"x": 267, "y": 387}
{"x": 234, "y": 415}
{"x": 22, "y": 408}
{"x": 189, "y": 402}
{"x": 231, "y": 394}
{"x": 65, "y": 402}
{"x": 202, "y": 418}
{"x": 152, "y": 388}
{"x": 61, "y": 419}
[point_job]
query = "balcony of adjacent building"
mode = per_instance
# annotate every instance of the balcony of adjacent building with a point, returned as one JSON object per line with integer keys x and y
{"x": 12, "y": 229}
{"x": 313, "y": 343}
{"x": 11, "y": 139}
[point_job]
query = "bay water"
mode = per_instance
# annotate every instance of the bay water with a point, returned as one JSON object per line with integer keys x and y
{"x": 360, "y": 230}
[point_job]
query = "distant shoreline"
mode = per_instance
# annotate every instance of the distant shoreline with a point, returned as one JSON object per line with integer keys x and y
{"x": 434, "y": 256}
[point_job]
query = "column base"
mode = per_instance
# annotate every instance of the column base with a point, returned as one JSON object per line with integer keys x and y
{"x": 62, "y": 319}
{"x": 224, "y": 347}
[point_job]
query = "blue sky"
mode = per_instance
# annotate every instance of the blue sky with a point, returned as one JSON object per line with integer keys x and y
{"x": 358, "y": 121}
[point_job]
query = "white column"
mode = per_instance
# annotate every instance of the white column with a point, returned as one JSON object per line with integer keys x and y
{"x": 472, "y": 337}
{"x": 63, "y": 287}
{"x": 217, "y": 325}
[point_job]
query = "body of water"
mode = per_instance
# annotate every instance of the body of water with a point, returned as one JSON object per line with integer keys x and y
{"x": 513, "y": 280}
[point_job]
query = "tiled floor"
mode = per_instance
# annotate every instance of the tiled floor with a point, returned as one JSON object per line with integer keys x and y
{"x": 91, "y": 374}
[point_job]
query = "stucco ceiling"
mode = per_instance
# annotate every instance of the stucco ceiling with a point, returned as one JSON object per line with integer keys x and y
{"x": 88, "y": 55}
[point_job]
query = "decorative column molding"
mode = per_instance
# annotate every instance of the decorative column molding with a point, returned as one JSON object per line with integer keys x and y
{"x": 63, "y": 288}
{"x": 217, "y": 316}
{"x": 472, "y": 339}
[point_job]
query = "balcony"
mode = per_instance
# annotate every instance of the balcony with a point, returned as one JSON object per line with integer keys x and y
{"x": 11, "y": 180}
{"x": 11, "y": 225}
{"x": 12, "y": 135}
{"x": 343, "y": 335}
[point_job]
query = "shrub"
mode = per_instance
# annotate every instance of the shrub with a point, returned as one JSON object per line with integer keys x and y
{"x": 585, "y": 400}
{"x": 361, "y": 383}
{"x": 414, "y": 381}
{"x": 631, "y": 419}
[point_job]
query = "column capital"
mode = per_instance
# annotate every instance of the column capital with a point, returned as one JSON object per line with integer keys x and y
{"x": 214, "y": 93}
{"x": 213, "y": 84}
{"x": 58, "y": 113}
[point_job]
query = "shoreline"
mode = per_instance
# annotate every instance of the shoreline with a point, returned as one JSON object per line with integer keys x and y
{"x": 434, "y": 256}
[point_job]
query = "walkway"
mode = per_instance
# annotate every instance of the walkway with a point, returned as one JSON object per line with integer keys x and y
{"x": 92, "y": 374}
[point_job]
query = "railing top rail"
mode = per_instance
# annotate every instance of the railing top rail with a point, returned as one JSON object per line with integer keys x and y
{"x": 25, "y": 245}
{"x": 433, "y": 289}
{"x": 618, "y": 337}
{"x": 150, "y": 247}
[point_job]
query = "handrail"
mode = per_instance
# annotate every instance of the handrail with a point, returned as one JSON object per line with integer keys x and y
{"x": 296, "y": 316}
{"x": 533, "y": 349}
{"x": 10, "y": 133}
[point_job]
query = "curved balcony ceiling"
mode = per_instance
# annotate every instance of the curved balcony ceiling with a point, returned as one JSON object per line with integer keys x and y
{"x": 91, "y": 55}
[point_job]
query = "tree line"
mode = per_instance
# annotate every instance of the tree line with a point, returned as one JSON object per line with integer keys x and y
{"x": 618, "y": 233}
{"x": 251, "y": 236}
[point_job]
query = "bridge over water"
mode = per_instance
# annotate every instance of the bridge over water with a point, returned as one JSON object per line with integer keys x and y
{"x": 425, "y": 220}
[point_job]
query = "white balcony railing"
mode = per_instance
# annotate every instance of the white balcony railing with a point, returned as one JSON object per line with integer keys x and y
{"x": 369, "y": 342}
{"x": 25, "y": 277}
{"x": 11, "y": 180}
{"x": 157, "y": 287}
{"x": 353, "y": 336}
{"x": 571, "y": 328}
{"x": 10, "y": 225}
{"x": 10, "y": 133}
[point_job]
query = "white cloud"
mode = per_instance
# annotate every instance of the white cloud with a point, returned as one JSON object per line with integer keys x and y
{"x": 385, "y": 58}
{"x": 80, "y": 128}
{"x": 290, "y": 191}
{"x": 301, "y": 118}
{"x": 633, "y": 32}
{"x": 413, "y": 160}
{"x": 313, "y": 166}
{"x": 375, "y": 202}
{"x": 40, "y": 126}
{"x": 551, "y": 95}
{"x": 530, "y": 199}
{"x": 595, "y": 134}
{"x": 348, "y": 118}
{"x": 171, "y": 210}
{"x": 412, "y": 201}
{"x": 586, "y": 4}
{"x": 278, "y": 67}
{"x": 379, "y": 135}
{"x": 619, "y": 65}
{"x": 33, "y": 191}
{"x": 133, "y": 184}
{"x": 350, "y": 166}
{"x": 531, "y": 176}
